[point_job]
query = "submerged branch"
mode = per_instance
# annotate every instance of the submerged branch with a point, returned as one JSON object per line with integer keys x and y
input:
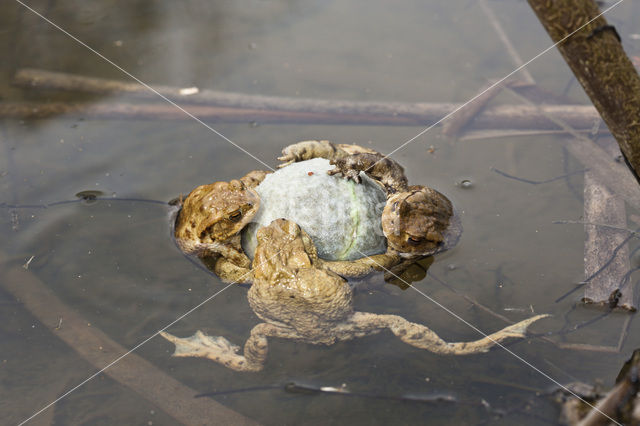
{"x": 498, "y": 117}
{"x": 100, "y": 350}
{"x": 596, "y": 57}
{"x": 601, "y": 162}
{"x": 216, "y": 106}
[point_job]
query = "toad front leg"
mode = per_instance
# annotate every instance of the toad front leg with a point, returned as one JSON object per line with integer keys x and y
{"x": 230, "y": 272}
{"x": 383, "y": 169}
{"x": 220, "y": 350}
{"x": 228, "y": 252}
{"x": 254, "y": 178}
{"x": 363, "y": 266}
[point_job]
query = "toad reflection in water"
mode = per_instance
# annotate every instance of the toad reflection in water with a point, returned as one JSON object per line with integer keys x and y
{"x": 299, "y": 298}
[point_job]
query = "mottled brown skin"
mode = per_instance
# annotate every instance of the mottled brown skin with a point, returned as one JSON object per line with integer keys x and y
{"x": 296, "y": 297}
{"x": 384, "y": 170}
{"x": 212, "y": 217}
{"x": 415, "y": 220}
{"x": 349, "y": 161}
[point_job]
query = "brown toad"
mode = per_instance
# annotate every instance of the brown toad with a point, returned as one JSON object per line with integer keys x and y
{"x": 211, "y": 218}
{"x": 417, "y": 221}
{"x": 298, "y": 298}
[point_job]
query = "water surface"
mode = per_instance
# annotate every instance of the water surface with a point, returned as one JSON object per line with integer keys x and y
{"x": 115, "y": 264}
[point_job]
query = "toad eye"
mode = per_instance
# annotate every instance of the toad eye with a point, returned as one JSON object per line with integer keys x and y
{"x": 235, "y": 216}
{"x": 414, "y": 241}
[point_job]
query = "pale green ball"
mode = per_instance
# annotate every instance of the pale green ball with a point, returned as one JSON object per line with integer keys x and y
{"x": 342, "y": 218}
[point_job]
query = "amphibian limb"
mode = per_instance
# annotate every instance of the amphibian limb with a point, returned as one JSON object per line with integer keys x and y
{"x": 298, "y": 298}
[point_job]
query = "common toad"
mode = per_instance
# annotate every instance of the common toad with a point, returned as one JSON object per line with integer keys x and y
{"x": 211, "y": 218}
{"x": 297, "y": 297}
{"x": 417, "y": 221}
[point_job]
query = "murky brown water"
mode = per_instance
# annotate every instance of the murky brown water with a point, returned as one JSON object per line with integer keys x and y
{"x": 114, "y": 263}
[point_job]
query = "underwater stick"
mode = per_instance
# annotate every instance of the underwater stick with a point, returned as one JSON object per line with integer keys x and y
{"x": 497, "y": 117}
{"x": 132, "y": 371}
{"x": 240, "y": 107}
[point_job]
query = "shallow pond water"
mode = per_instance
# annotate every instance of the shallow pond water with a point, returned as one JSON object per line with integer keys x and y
{"x": 114, "y": 263}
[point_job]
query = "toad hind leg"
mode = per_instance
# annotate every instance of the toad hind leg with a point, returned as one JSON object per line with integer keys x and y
{"x": 220, "y": 350}
{"x": 422, "y": 337}
{"x": 306, "y": 150}
{"x": 230, "y": 253}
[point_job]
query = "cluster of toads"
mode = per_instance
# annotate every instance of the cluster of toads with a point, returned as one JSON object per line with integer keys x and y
{"x": 297, "y": 294}
{"x": 415, "y": 220}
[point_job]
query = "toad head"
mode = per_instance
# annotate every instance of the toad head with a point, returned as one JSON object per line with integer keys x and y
{"x": 216, "y": 212}
{"x": 414, "y": 221}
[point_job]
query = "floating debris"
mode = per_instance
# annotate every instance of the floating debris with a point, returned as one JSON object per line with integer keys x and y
{"x": 90, "y": 195}
{"x": 186, "y": 91}
{"x": 465, "y": 184}
{"x": 26, "y": 265}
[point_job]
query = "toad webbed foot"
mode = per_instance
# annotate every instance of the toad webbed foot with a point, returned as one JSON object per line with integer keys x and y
{"x": 201, "y": 345}
{"x": 220, "y": 350}
{"x": 215, "y": 348}
{"x": 344, "y": 171}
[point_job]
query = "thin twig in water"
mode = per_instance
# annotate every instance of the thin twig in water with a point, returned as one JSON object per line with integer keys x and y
{"x": 502, "y": 35}
{"x": 567, "y": 328}
{"x": 80, "y": 200}
{"x": 469, "y": 299}
{"x": 578, "y": 195}
{"x": 537, "y": 182}
{"x": 614, "y": 175}
{"x": 240, "y": 390}
{"x": 625, "y": 279}
{"x": 298, "y": 388}
{"x": 570, "y": 292}
{"x": 602, "y": 268}
{"x": 603, "y": 225}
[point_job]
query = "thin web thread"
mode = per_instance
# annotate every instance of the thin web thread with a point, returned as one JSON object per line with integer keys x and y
{"x": 496, "y": 83}
{"x": 146, "y": 85}
{"x": 509, "y": 351}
